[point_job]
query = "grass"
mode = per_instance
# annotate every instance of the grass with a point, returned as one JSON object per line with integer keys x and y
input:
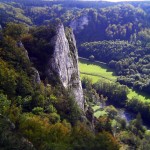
{"x": 96, "y": 71}
{"x": 94, "y": 78}
{"x": 99, "y": 71}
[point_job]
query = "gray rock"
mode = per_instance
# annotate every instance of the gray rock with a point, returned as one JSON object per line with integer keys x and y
{"x": 36, "y": 76}
{"x": 64, "y": 62}
{"x": 79, "y": 23}
{"x": 19, "y": 44}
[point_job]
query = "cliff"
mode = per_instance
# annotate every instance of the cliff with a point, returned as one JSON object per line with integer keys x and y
{"x": 64, "y": 63}
{"x": 35, "y": 73}
{"x": 80, "y": 23}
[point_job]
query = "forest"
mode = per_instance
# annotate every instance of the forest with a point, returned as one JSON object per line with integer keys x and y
{"x": 37, "y": 115}
{"x": 42, "y": 114}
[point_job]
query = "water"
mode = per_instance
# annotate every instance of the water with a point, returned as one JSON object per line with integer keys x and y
{"x": 126, "y": 115}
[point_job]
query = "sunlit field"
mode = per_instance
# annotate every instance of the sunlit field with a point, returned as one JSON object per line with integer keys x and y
{"x": 100, "y": 71}
{"x": 96, "y": 71}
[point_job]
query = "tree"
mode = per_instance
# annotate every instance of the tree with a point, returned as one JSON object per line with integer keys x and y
{"x": 112, "y": 111}
{"x": 4, "y": 104}
{"x": 144, "y": 36}
{"x": 8, "y": 78}
{"x": 15, "y": 30}
{"x": 105, "y": 141}
{"x": 103, "y": 100}
{"x": 138, "y": 122}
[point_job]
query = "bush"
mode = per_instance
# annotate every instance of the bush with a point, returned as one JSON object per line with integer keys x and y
{"x": 37, "y": 110}
{"x": 54, "y": 117}
{"x": 51, "y": 109}
{"x": 4, "y": 104}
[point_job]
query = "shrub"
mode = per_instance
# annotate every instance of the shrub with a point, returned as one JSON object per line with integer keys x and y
{"x": 37, "y": 110}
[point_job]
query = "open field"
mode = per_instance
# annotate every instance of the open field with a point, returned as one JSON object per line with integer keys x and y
{"x": 99, "y": 71}
{"x": 96, "y": 71}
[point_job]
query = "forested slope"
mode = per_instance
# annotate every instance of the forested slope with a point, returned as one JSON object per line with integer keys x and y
{"x": 37, "y": 112}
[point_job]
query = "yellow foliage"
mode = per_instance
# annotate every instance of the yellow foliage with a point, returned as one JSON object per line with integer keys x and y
{"x": 37, "y": 128}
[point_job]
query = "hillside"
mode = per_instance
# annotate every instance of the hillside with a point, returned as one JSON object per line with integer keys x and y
{"x": 99, "y": 72}
{"x": 107, "y": 97}
{"x": 41, "y": 100}
{"x": 118, "y": 33}
{"x": 43, "y": 103}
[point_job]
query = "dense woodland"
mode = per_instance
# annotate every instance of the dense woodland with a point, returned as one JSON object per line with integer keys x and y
{"x": 43, "y": 115}
{"x": 132, "y": 135}
{"x": 37, "y": 115}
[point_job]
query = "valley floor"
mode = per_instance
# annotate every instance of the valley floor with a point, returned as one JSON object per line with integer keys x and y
{"x": 100, "y": 71}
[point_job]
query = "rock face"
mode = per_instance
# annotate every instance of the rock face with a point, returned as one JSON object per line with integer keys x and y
{"x": 79, "y": 23}
{"x": 36, "y": 76}
{"x": 64, "y": 63}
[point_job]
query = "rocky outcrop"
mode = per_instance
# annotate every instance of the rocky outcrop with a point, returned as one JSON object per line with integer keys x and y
{"x": 36, "y": 76}
{"x": 79, "y": 23}
{"x": 19, "y": 44}
{"x": 64, "y": 63}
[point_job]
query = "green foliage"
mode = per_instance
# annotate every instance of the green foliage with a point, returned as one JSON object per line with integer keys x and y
{"x": 51, "y": 109}
{"x": 54, "y": 117}
{"x": 38, "y": 99}
{"x": 144, "y": 36}
{"x": 104, "y": 19}
{"x": 37, "y": 42}
{"x": 137, "y": 102}
{"x": 50, "y": 104}
{"x": 129, "y": 61}
{"x": 53, "y": 136}
{"x": 144, "y": 143}
{"x": 9, "y": 139}
{"x": 15, "y": 30}
{"x": 116, "y": 93}
{"x": 15, "y": 65}
{"x": 68, "y": 108}
{"x": 4, "y": 104}
{"x": 108, "y": 142}
{"x": 24, "y": 86}
{"x": 8, "y": 78}
{"x": 53, "y": 98}
{"x": 34, "y": 128}
{"x": 112, "y": 111}
{"x": 129, "y": 138}
{"x": 12, "y": 13}
{"x": 103, "y": 124}
{"x": 37, "y": 110}
{"x": 83, "y": 138}
{"x": 136, "y": 105}
{"x": 14, "y": 114}
{"x": 105, "y": 50}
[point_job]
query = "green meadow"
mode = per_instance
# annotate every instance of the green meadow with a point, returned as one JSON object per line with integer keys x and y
{"x": 96, "y": 71}
{"x": 100, "y": 71}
